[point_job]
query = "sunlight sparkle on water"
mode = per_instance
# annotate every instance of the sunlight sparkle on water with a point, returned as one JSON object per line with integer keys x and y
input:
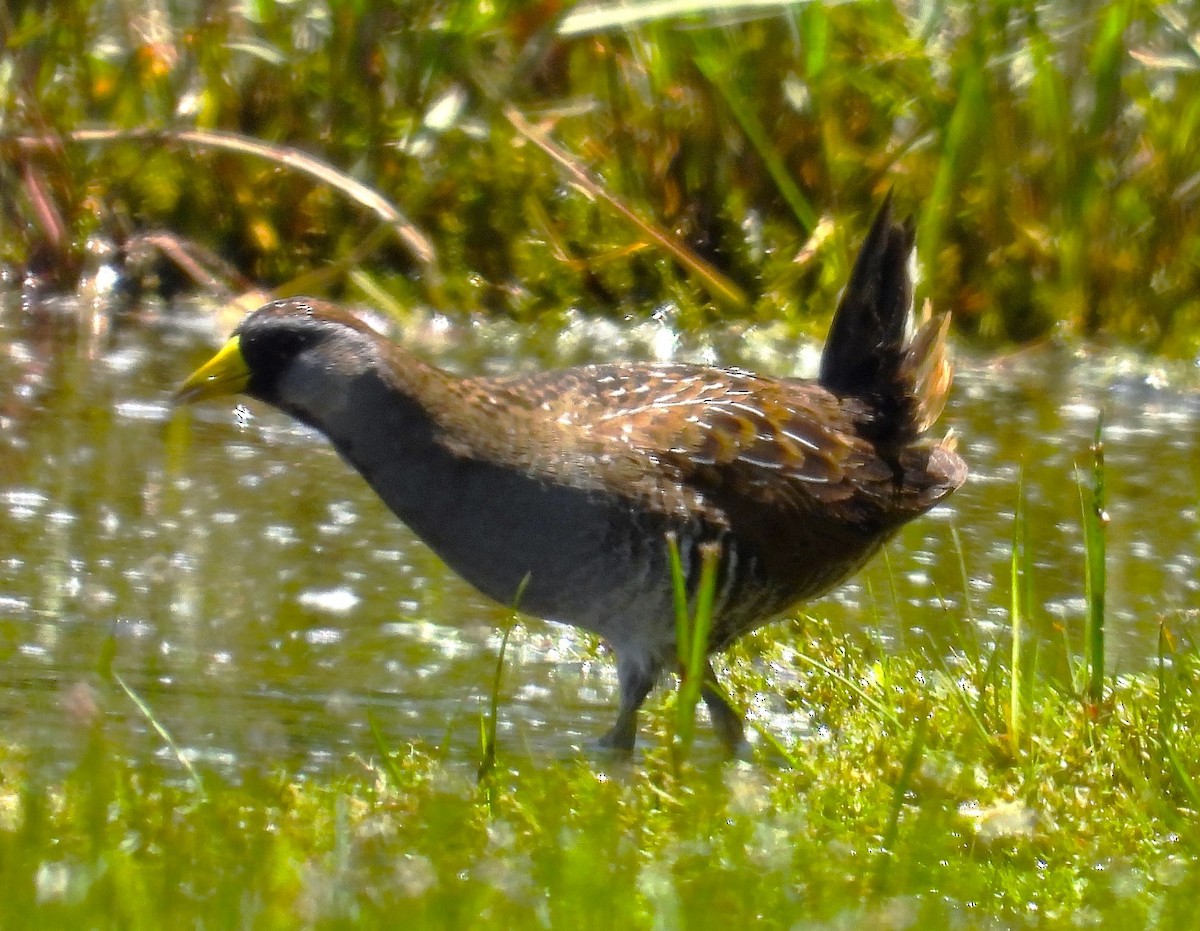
{"x": 330, "y": 601}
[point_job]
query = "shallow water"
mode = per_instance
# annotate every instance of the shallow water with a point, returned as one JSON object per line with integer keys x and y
{"x": 252, "y": 589}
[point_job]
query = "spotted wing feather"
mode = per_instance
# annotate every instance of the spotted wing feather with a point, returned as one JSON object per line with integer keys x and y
{"x": 701, "y": 428}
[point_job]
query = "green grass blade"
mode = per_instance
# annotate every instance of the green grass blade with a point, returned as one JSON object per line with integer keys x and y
{"x": 159, "y": 728}
{"x": 1166, "y": 726}
{"x": 1018, "y": 580}
{"x": 490, "y": 719}
{"x": 962, "y": 131}
{"x": 692, "y": 642}
{"x": 385, "y": 755}
{"x": 679, "y": 594}
{"x": 853, "y": 686}
{"x": 719, "y": 286}
{"x": 1095, "y": 522}
{"x": 591, "y": 18}
{"x": 714, "y": 67}
{"x": 912, "y": 759}
{"x": 710, "y": 555}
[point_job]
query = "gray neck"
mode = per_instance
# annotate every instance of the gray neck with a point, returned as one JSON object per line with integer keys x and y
{"x": 382, "y": 431}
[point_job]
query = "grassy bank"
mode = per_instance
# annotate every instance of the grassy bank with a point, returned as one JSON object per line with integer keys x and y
{"x": 906, "y": 805}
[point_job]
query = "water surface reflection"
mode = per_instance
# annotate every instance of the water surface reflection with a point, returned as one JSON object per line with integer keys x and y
{"x": 260, "y": 597}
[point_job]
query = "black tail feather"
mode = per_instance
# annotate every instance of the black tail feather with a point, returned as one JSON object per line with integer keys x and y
{"x": 866, "y": 340}
{"x": 870, "y": 354}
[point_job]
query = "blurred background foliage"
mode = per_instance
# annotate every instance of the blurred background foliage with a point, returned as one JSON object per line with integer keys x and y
{"x": 1050, "y": 152}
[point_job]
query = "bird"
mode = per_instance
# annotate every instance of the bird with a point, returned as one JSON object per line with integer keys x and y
{"x": 559, "y": 490}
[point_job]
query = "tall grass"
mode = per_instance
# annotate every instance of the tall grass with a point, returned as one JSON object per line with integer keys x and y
{"x": 693, "y": 624}
{"x": 1019, "y": 601}
{"x": 1095, "y": 526}
{"x": 489, "y": 720}
{"x": 1168, "y": 698}
{"x": 1049, "y": 151}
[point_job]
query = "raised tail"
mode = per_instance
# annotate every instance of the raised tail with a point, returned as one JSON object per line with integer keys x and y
{"x": 903, "y": 379}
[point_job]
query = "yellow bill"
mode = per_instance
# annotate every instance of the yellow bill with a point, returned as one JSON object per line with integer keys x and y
{"x": 224, "y": 374}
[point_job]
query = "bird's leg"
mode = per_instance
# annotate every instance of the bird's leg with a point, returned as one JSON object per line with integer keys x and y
{"x": 725, "y": 721}
{"x": 636, "y": 679}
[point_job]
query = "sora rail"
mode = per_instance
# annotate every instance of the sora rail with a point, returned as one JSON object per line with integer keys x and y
{"x": 573, "y": 479}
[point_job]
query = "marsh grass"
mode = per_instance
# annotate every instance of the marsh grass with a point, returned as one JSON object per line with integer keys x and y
{"x": 1048, "y": 150}
{"x": 1019, "y": 602}
{"x": 693, "y": 623}
{"x": 1169, "y": 678}
{"x": 913, "y": 815}
{"x": 1095, "y": 524}
{"x": 489, "y": 720}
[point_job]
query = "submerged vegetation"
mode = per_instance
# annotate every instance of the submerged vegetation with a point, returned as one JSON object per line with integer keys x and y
{"x": 1049, "y": 151}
